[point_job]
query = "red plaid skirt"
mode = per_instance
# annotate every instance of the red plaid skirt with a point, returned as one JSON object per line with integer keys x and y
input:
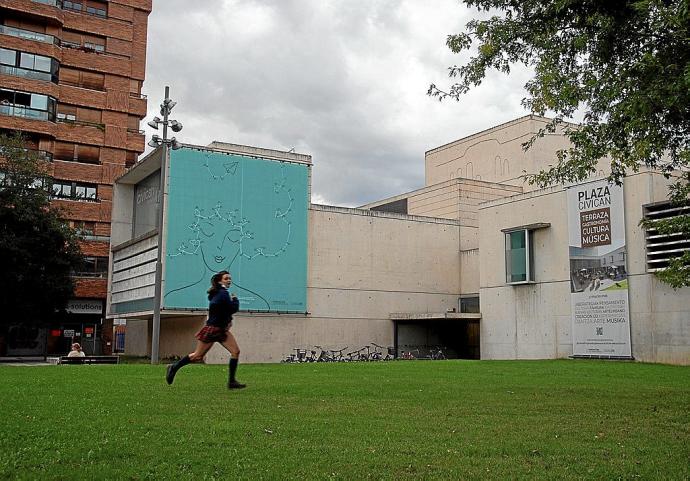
{"x": 212, "y": 334}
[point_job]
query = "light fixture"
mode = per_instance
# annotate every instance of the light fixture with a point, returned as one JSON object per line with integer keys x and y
{"x": 155, "y": 141}
{"x": 167, "y": 106}
{"x": 175, "y": 144}
{"x": 154, "y": 123}
{"x": 175, "y": 125}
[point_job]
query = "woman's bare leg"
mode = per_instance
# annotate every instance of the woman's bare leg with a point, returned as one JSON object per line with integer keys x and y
{"x": 196, "y": 356}
{"x": 201, "y": 349}
{"x": 231, "y": 345}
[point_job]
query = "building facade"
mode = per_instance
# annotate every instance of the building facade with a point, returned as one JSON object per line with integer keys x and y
{"x": 478, "y": 261}
{"x": 70, "y": 80}
{"x": 543, "y": 294}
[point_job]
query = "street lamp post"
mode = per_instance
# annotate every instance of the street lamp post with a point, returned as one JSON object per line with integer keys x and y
{"x": 166, "y": 108}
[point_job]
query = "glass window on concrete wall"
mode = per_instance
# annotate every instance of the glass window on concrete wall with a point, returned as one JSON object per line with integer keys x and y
{"x": 519, "y": 256}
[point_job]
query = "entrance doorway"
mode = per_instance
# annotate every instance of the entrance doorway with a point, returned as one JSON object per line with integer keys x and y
{"x": 419, "y": 338}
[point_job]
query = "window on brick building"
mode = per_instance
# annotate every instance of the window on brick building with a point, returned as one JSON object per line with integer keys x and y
{"x": 27, "y": 105}
{"x": 28, "y": 29}
{"x": 67, "y": 113}
{"x": 73, "y": 113}
{"x": 82, "y": 78}
{"x": 90, "y": 7}
{"x": 92, "y": 267}
{"x": 133, "y": 123}
{"x": 83, "y": 228}
{"x": 74, "y": 39}
{"x": 130, "y": 159}
{"x": 28, "y": 65}
{"x": 97, "y": 8}
{"x": 67, "y": 151}
{"x": 134, "y": 87}
{"x": 66, "y": 189}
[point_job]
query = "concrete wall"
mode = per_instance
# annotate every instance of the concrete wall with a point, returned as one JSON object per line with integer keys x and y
{"x": 533, "y": 321}
{"x": 496, "y": 154}
{"x": 453, "y": 199}
{"x": 363, "y": 266}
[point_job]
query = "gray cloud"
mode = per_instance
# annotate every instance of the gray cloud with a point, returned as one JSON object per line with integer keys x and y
{"x": 344, "y": 81}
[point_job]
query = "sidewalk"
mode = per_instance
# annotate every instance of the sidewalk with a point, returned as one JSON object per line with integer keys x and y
{"x": 26, "y": 361}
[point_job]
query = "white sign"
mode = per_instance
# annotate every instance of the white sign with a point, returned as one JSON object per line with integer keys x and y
{"x": 68, "y": 333}
{"x": 87, "y": 306}
{"x": 598, "y": 274}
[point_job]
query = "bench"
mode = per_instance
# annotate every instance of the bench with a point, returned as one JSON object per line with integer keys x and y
{"x": 89, "y": 360}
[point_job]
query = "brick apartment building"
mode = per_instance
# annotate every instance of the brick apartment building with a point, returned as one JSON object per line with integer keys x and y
{"x": 71, "y": 74}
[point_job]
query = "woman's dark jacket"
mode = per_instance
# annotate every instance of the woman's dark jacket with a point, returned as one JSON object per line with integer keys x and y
{"x": 221, "y": 308}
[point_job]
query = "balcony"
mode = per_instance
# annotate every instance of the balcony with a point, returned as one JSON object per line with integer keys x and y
{"x": 25, "y": 112}
{"x": 54, "y": 3}
{"x": 72, "y": 120}
{"x": 29, "y": 35}
{"x": 43, "y": 155}
{"x": 79, "y": 8}
{"x": 26, "y": 73}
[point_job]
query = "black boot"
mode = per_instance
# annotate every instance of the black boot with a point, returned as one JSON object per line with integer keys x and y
{"x": 232, "y": 369}
{"x": 174, "y": 367}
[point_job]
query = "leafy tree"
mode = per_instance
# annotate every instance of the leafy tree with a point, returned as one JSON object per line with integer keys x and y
{"x": 38, "y": 250}
{"x": 624, "y": 63}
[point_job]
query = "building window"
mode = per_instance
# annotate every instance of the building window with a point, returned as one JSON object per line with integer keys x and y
{"x": 84, "y": 41}
{"x": 65, "y": 189}
{"x": 83, "y": 228}
{"x": 55, "y": 3}
{"x": 38, "y": 183}
{"x": 82, "y": 79}
{"x": 93, "y": 267}
{"x": 80, "y": 115}
{"x": 28, "y": 65}
{"x": 86, "y": 154}
{"x": 519, "y": 256}
{"x": 130, "y": 158}
{"x": 27, "y": 105}
{"x": 17, "y": 31}
{"x": 90, "y": 7}
{"x": 469, "y": 304}
{"x": 661, "y": 248}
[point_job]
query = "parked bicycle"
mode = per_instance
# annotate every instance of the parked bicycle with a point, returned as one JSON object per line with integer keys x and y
{"x": 437, "y": 354}
{"x": 370, "y": 352}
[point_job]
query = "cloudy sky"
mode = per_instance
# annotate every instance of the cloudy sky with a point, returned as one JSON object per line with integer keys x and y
{"x": 344, "y": 81}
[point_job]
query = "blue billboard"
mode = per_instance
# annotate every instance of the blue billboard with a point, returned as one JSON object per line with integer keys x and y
{"x": 237, "y": 213}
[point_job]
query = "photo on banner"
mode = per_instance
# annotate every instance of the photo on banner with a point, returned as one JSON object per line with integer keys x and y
{"x": 598, "y": 274}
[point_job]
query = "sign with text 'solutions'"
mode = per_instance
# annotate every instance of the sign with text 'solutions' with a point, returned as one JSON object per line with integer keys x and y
{"x": 246, "y": 215}
{"x": 598, "y": 275}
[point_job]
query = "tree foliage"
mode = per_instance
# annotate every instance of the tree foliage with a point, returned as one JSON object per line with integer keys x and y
{"x": 38, "y": 250}
{"x": 624, "y": 63}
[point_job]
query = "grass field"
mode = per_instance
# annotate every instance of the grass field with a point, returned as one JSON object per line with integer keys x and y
{"x": 396, "y": 420}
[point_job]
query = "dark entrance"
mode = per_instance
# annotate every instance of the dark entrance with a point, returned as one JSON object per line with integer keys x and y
{"x": 458, "y": 338}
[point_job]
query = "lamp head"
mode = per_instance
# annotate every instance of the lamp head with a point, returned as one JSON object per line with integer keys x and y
{"x": 154, "y": 123}
{"x": 175, "y": 125}
{"x": 155, "y": 141}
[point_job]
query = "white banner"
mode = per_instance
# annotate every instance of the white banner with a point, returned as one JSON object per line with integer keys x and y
{"x": 598, "y": 275}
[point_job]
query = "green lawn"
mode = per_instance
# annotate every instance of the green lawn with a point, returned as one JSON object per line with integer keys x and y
{"x": 396, "y": 420}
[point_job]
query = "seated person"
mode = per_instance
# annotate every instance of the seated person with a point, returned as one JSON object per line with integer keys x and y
{"x": 76, "y": 351}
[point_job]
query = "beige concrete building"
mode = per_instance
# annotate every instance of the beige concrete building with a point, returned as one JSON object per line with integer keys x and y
{"x": 478, "y": 181}
{"x": 436, "y": 267}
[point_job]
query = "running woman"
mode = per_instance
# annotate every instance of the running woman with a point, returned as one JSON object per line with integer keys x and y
{"x": 222, "y": 306}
